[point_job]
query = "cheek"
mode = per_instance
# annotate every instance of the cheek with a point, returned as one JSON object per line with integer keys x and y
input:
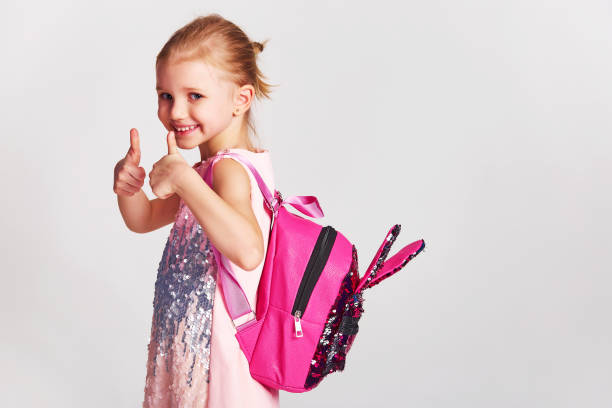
{"x": 216, "y": 119}
{"x": 162, "y": 115}
{"x": 222, "y": 120}
{"x": 224, "y": 114}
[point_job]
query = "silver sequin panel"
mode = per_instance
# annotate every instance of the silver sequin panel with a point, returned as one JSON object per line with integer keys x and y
{"x": 184, "y": 293}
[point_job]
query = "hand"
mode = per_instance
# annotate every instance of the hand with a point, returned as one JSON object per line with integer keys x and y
{"x": 167, "y": 172}
{"x": 129, "y": 178}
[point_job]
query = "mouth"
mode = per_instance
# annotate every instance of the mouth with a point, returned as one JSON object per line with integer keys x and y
{"x": 182, "y": 131}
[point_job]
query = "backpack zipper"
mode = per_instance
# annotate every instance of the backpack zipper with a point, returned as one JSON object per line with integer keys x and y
{"x": 316, "y": 263}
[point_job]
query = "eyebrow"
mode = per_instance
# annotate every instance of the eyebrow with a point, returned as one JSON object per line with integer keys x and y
{"x": 157, "y": 88}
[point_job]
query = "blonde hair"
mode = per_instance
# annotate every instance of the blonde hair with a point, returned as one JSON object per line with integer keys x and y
{"x": 222, "y": 44}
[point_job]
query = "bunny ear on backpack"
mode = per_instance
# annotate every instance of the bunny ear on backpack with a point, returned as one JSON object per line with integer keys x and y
{"x": 380, "y": 268}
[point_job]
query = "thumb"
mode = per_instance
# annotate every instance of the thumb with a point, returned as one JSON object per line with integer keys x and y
{"x": 171, "y": 143}
{"x": 134, "y": 151}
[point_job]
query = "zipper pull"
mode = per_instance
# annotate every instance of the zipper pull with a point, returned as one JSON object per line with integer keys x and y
{"x": 298, "y": 325}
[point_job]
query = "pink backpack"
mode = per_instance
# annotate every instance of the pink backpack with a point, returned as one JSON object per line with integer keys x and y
{"x": 309, "y": 298}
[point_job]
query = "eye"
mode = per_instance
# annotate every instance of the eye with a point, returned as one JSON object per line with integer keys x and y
{"x": 163, "y": 96}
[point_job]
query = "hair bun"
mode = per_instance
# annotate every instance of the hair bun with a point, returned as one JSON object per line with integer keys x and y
{"x": 257, "y": 47}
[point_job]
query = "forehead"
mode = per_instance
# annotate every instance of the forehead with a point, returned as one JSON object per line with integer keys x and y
{"x": 189, "y": 74}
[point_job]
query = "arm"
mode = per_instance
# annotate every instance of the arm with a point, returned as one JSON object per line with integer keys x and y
{"x": 225, "y": 212}
{"x": 142, "y": 215}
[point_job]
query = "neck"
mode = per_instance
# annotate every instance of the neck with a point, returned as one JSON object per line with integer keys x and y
{"x": 235, "y": 136}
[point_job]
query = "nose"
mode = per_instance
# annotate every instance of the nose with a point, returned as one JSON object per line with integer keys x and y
{"x": 178, "y": 111}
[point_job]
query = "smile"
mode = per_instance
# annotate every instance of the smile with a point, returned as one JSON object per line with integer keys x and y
{"x": 186, "y": 130}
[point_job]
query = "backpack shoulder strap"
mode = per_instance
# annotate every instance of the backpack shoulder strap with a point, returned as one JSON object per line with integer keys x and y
{"x": 236, "y": 301}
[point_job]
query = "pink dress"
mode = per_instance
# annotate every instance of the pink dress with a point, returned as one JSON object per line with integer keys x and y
{"x": 194, "y": 359}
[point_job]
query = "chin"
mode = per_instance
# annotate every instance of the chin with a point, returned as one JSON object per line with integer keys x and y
{"x": 183, "y": 145}
{"x": 187, "y": 144}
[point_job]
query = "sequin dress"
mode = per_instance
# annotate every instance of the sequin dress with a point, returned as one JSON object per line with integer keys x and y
{"x": 194, "y": 359}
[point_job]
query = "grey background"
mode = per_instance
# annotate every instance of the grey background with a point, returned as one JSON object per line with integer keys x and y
{"x": 482, "y": 127}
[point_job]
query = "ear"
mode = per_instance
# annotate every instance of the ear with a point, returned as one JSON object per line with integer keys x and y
{"x": 243, "y": 97}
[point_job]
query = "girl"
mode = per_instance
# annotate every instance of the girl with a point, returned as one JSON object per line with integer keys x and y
{"x": 207, "y": 77}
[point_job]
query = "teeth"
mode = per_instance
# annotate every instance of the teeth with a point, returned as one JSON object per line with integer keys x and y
{"x": 186, "y": 128}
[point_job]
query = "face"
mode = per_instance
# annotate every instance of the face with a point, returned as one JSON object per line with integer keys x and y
{"x": 194, "y": 93}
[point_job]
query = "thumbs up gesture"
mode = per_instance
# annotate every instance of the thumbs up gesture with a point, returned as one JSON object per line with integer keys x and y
{"x": 128, "y": 176}
{"x": 166, "y": 173}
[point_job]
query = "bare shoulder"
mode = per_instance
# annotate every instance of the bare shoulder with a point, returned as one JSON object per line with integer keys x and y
{"x": 231, "y": 181}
